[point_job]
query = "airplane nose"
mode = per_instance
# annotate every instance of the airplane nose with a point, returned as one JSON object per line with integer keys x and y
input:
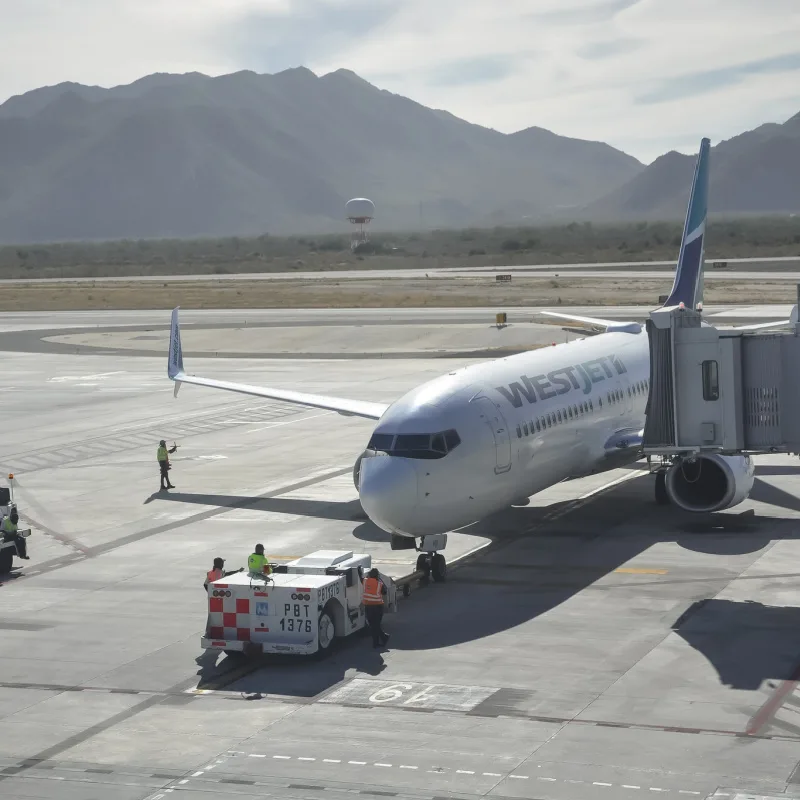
{"x": 388, "y": 492}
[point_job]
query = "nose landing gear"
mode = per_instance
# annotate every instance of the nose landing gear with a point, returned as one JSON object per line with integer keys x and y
{"x": 430, "y": 562}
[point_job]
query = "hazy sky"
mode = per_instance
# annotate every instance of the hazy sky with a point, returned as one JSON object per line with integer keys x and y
{"x": 646, "y": 76}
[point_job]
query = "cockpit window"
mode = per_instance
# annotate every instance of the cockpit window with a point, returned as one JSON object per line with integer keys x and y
{"x": 412, "y": 442}
{"x": 381, "y": 441}
{"x": 415, "y": 445}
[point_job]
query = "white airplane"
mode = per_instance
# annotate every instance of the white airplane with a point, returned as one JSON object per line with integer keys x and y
{"x": 470, "y": 443}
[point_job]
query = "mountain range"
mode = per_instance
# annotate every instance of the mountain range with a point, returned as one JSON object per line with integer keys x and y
{"x": 245, "y": 154}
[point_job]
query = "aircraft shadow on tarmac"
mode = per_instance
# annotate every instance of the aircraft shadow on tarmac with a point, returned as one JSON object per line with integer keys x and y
{"x": 746, "y": 642}
{"x": 536, "y": 565}
{"x": 348, "y": 511}
{"x": 323, "y": 509}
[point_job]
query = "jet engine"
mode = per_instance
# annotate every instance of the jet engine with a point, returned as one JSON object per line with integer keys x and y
{"x": 357, "y": 466}
{"x": 710, "y": 482}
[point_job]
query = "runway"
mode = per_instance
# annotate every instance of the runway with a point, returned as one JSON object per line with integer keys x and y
{"x": 588, "y": 645}
{"x": 781, "y": 268}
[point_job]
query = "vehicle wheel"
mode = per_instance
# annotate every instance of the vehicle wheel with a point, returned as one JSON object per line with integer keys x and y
{"x": 439, "y": 568}
{"x": 662, "y": 498}
{"x": 423, "y": 564}
{"x": 406, "y": 590}
{"x": 326, "y": 633}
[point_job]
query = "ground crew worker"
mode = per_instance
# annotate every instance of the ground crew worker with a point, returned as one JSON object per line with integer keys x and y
{"x": 162, "y": 454}
{"x": 373, "y": 599}
{"x": 10, "y": 534}
{"x": 218, "y": 572}
{"x": 257, "y": 563}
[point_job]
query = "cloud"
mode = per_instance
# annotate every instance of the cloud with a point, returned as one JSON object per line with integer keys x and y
{"x": 272, "y": 39}
{"x": 645, "y": 75}
{"x": 586, "y": 13}
{"x": 707, "y": 81}
{"x": 471, "y": 71}
{"x": 592, "y": 51}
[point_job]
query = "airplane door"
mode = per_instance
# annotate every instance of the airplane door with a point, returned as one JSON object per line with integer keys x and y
{"x": 493, "y": 417}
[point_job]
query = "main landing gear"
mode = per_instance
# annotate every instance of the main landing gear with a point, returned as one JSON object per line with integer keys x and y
{"x": 430, "y": 562}
{"x": 662, "y": 498}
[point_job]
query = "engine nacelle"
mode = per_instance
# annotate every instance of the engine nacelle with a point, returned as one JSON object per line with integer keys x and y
{"x": 710, "y": 483}
{"x": 357, "y": 466}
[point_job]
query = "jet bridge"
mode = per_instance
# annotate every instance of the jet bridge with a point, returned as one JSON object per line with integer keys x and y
{"x": 716, "y": 397}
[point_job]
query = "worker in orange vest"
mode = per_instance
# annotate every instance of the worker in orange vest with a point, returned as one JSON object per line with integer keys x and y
{"x": 218, "y": 572}
{"x": 373, "y": 599}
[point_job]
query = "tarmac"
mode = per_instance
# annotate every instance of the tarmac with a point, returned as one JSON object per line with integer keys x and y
{"x": 588, "y": 645}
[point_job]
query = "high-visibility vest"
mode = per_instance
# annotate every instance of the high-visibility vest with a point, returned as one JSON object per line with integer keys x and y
{"x": 9, "y": 526}
{"x": 373, "y": 592}
{"x": 257, "y": 563}
{"x": 214, "y": 575}
{"x": 162, "y": 455}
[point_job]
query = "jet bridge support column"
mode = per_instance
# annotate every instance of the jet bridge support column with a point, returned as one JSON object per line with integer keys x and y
{"x": 717, "y": 396}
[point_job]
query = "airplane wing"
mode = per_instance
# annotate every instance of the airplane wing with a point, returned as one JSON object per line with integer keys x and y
{"x": 764, "y": 325}
{"x": 608, "y": 325}
{"x": 349, "y": 408}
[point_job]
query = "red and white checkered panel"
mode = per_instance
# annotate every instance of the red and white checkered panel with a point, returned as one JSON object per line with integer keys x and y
{"x": 229, "y": 617}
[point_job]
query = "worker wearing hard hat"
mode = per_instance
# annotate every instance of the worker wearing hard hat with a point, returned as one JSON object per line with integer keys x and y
{"x": 218, "y": 572}
{"x": 373, "y": 598}
{"x": 10, "y": 534}
{"x": 162, "y": 455}
{"x": 257, "y": 563}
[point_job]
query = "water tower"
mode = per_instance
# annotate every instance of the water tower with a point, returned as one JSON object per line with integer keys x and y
{"x": 359, "y": 211}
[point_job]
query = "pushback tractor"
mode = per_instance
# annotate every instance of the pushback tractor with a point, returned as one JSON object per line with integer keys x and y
{"x": 8, "y": 545}
{"x": 302, "y": 608}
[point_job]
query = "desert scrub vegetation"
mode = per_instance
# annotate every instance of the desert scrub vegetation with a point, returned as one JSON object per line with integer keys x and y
{"x": 556, "y": 244}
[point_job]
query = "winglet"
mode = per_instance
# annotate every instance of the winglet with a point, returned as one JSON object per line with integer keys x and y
{"x": 175, "y": 355}
{"x": 688, "y": 285}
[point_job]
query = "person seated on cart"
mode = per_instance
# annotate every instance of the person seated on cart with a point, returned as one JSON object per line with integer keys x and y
{"x": 218, "y": 572}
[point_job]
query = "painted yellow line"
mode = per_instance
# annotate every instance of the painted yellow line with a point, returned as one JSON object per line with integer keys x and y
{"x": 637, "y": 571}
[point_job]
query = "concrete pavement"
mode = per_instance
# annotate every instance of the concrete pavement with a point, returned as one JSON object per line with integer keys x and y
{"x": 600, "y": 646}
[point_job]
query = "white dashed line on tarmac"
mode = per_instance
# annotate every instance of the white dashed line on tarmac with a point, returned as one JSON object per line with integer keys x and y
{"x": 452, "y": 771}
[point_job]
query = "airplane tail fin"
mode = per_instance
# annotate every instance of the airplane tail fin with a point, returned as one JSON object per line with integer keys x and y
{"x": 175, "y": 355}
{"x": 688, "y": 285}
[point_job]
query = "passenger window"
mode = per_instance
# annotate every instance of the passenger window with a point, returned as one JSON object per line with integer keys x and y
{"x": 710, "y": 380}
{"x": 570, "y": 412}
{"x": 525, "y": 428}
{"x": 519, "y": 432}
{"x": 559, "y": 415}
{"x": 538, "y": 427}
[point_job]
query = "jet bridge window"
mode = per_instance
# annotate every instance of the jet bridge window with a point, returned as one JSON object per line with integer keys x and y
{"x": 710, "y": 380}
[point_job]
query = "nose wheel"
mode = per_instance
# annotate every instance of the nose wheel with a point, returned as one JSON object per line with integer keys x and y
{"x": 432, "y": 565}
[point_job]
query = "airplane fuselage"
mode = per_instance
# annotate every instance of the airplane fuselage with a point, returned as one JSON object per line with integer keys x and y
{"x": 515, "y": 425}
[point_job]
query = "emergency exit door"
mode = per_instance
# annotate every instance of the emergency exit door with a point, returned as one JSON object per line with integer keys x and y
{"x": 493, "y": 417}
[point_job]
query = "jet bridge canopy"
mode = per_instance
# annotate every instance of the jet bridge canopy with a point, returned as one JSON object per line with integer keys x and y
{"x": 723, "y": 391}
